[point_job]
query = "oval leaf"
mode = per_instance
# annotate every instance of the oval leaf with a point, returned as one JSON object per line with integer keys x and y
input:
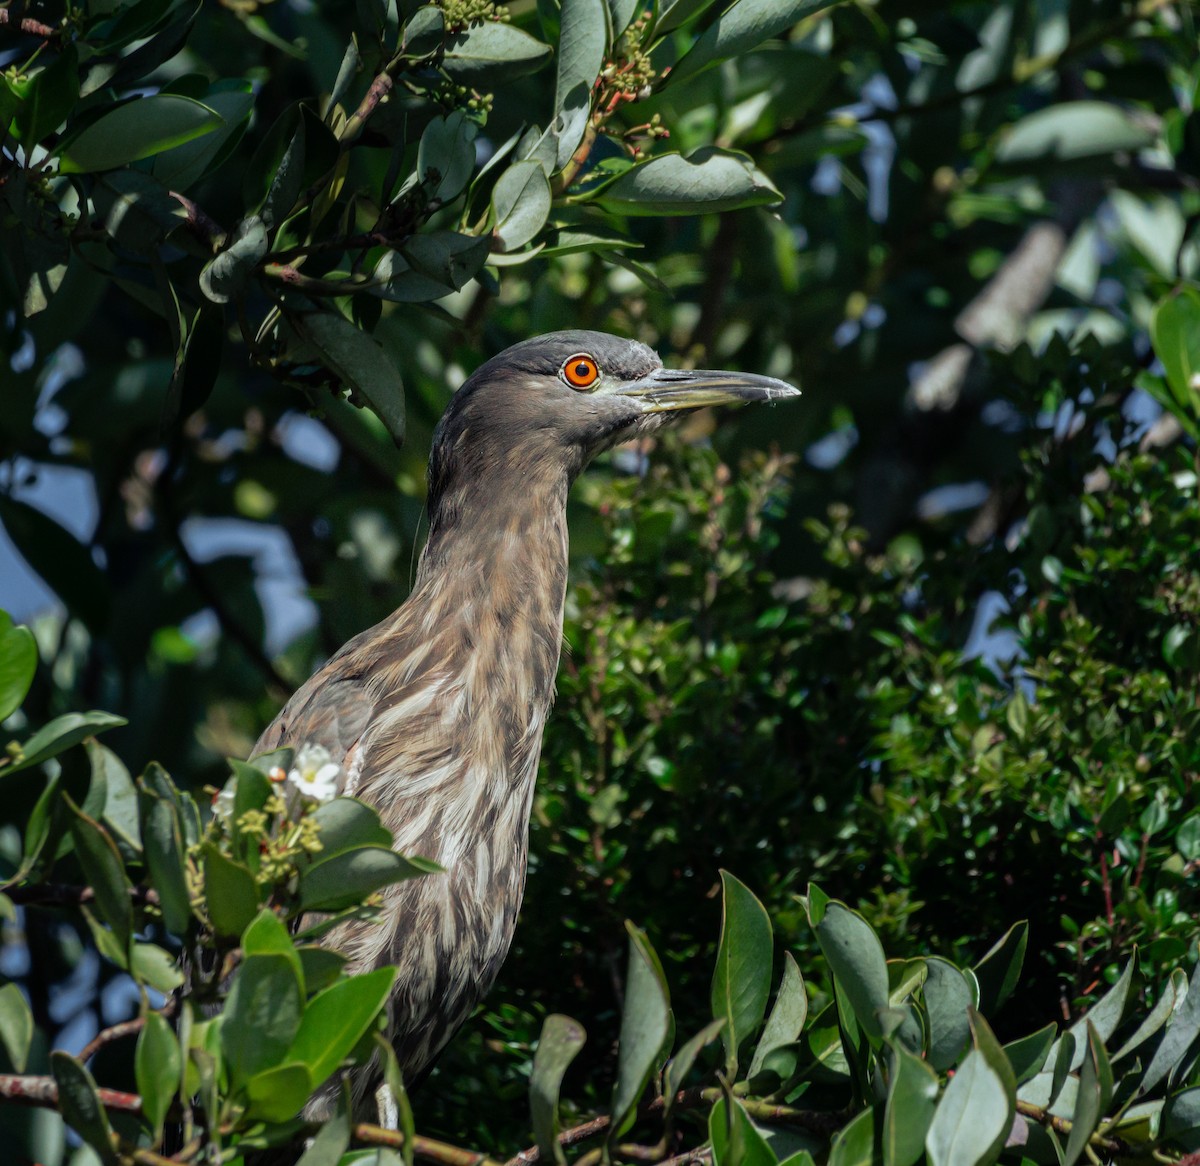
{"x": 558, "y": 1046}
{"x": 337, "y": 1019}
{"x": 645, "y": 1022}
{"x": 138, "y": 129}
{"x": 742, "y": 978}
{"x": 521, "y": 203}
{"x": 347, "y": 879}
{"x": 707, "y": 180}
{"x": 157, "y": 1064}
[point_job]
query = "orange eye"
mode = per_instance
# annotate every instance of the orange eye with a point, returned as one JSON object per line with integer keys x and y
{"x": 581, "y": 371}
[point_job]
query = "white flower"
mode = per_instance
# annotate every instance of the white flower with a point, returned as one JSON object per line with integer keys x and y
{"x": 222, "y": 804}
{"x": 314, "y": 773}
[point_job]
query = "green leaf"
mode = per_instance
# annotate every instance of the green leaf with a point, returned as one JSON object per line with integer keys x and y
{"x": 558, "y": 1046}
{"x": 251, "y": 789}
{"x": 267, "y": 935}
{"x": 320, "y": 966}
{"x": 741, "y": 980}
{"x": 157, "y": 1065}
{"x": 18, "y": 662}
{"x": 105, "y": 873}
{"x": 162, "y": 840}
{"x": 487, "y": 54}
{"x": 1172, "y": 992}
{"x": 275, "y": 176}
{"x": 50, "y": 97}
{"x": 119, "y": 809}
{"x": 423, "y": 34}
{"x": 735, "y": 1139}
{"x": 360, "y": 362}
{"x": 948, "y": 1001}
{"x": 346, "y": 824}
{"x": 1091, "y": 1099}
{"x": 1028, "y": 1054}
{"x": 678, "y": 1067}
{"x": 787, "y": 1017}
{"x": 999, "y": 970}
{"x": 279, "y": 1093}
{"x": 740, "y": 27}
{"x": 197, "y": 365}
{"x": 80, "y": 1105}
{"x": 150, "y": 964}
{"x": 708, "y": 179}
{"x": 230, "y": 893}
{"x": 138, "y": 212}
{"x": 347, "y": 879}
{"x": 446, "y": 155}
{"x": 54, "y": 553}
{"x": 1105, "y": 1015}
{"x": 337, "y": 1019}
{"x": 180, "y": 167}
{"x": 60, "y": 735}
{"x": 854, "y": 1144}
{"x": 429, "y": 266}
{"x": 121, "y": 73}
{"x": 521, "y": 202}
{"x": 856, "y": 959}
{"x": 262, "y": 1016}
{"x": 1072, "y": 130}
{"x": 576, "y": 241}
{"x": 16, "y": 1025}
{"x": 621, "y": 14}
{"x": 1180, "y": 1122}
{"x": 1181, "y": 1032}
{"x": 672, "y": 14}
{"x": 975, "y": 1114}
{"x": 645, "y": 1021}
{"x": 137, "y": 129}
{"x": 908, "y": 1112}
{"x": 227, "y": 274}
{"x": 1175, "y": 333}
{"x": 584, "y": 37}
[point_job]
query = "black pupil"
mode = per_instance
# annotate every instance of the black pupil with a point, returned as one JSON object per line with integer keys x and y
{"x": 582, "y": 369}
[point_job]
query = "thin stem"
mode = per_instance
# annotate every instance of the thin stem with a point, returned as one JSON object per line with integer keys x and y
{"x": 62, "y": 895}
{"x": 108, "y": 1035}
{"x": 429, "y": 1149}
{"x": 42, "y": 1093}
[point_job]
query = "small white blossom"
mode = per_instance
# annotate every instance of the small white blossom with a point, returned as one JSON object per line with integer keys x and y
{"x": 314, "y": 773}
{"x": 222, "y": 804}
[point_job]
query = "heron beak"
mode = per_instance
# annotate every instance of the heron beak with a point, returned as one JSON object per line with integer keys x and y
{"x": 669, "y": 389}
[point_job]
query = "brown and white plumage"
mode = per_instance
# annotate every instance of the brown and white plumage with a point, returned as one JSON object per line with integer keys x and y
{"x": 436, "y": 714}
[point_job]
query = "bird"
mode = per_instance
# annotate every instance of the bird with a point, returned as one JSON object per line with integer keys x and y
{"x": 435, "y": 715}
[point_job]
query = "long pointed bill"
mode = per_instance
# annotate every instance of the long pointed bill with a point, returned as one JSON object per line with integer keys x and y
{"x": 668, "y": 389}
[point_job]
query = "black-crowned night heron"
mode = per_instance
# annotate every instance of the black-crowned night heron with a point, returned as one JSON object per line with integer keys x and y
{"x": 436, "y": 714}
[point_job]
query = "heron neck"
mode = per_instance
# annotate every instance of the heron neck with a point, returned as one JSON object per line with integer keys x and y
{"x": 495, "y": 568}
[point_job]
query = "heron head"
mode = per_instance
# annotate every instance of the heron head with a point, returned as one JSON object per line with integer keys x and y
{"x": 553, "y": 402}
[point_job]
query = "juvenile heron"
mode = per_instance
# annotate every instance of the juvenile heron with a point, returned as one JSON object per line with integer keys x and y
{"x": 436, "y": 714}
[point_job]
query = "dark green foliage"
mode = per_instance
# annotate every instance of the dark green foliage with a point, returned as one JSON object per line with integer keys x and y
{"x": 968, "y": 230}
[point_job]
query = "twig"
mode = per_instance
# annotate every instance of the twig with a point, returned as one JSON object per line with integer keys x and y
{"x": 823, "y": 1124}
{"x": 379, "y": 88}
{"x": 704, "y": 1154}
{"x": 42, "y": 1093}
{"x": 62, "y": 895}
{"x": 428, "y": 1148}
{"x": 108, "y": 1035}
{"x": 200, "y": 222}
{"x": 1061, "y": 1125}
